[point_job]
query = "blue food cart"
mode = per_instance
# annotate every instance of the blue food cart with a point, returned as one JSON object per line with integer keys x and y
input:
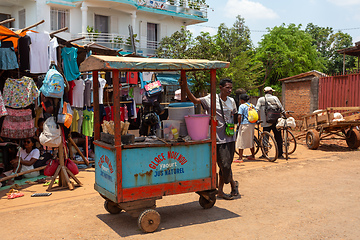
{"x": 131, "y": 177}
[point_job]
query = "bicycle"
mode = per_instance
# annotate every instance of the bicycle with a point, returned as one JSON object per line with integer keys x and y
{"x": 289, "y": 141}
{"x": 266, "y": 142}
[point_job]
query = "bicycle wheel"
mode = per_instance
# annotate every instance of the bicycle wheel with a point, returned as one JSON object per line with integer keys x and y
{"x": 268, "y": 146}
{"x": 285, "y": 143}
{"x": 256, "y": 145}
{"x": 291, "y": 143}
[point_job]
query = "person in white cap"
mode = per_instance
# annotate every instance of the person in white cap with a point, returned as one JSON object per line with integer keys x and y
{"x": 274, "y": 102}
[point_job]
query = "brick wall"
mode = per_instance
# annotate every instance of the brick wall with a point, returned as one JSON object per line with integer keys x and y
{"x": 297, "y": 97}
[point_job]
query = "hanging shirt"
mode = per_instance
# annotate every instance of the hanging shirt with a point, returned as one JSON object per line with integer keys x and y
{"x": 8, "y": 58}
{"x": 80, "y": 121}
{"x": 52, "y": 50}
{"x": 102, "y": 83}
{"x": 24, "y": 52}
{"x": 78, "y": 93}
{"x": 88, "y": 123}
{"x": 75, "y": 121}
{"x": 20, "y": 93}
{"x": 87, "y": 92}
{"x": 39, "y": 54}
{"x": 71, "y": 69}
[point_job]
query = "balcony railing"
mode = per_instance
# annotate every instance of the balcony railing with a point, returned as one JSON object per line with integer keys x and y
{"x": 117, "y": 41}
{"x": 189, "y": 7}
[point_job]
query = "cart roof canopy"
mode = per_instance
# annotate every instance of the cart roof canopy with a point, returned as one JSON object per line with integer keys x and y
{"x": 107, "y": 63}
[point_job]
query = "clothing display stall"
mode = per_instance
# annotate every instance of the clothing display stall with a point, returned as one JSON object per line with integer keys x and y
{"x": 35, "y": 71}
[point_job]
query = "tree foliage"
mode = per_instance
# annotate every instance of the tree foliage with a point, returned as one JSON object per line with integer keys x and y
{"x": 286, "y": 51}
{"x": 327, "y": 43}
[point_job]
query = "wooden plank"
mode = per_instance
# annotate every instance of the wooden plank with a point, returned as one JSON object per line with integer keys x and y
{"x": 22, "y": 173}
{"x": 353, "y": 117}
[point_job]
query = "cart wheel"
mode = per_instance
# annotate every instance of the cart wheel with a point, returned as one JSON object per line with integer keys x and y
{"x": 312, "y": 139}
{"x": 149, "y": 220}
{"x": 353, "y": 138}
{"x": 112, "y": 207}
{"x": 206, "y": 204}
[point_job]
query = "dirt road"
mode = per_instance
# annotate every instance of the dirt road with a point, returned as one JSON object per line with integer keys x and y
{"x": 315, "y": 195}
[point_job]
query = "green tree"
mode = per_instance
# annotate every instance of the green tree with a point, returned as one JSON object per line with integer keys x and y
{"x": 327, "y": 43}
{"x": 287, "y": 51}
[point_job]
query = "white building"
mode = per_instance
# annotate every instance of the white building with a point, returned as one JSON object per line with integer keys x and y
{"x": 106, "y": 21}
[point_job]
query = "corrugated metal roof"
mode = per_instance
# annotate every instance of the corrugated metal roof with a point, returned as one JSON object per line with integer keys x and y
{"x": 304, "y": 75}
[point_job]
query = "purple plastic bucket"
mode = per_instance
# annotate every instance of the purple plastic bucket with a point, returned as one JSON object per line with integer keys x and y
{"x": 197, "y": 126}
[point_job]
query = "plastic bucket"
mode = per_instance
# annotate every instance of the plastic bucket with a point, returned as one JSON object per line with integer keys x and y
{"x": 198, "y": 126}
{"x": 177, "y": 111}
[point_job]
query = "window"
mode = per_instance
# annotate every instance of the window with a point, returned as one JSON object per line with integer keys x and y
{"x": 22, "y": 21}
{"x": 3, "y": 17}
{"x": 102, "y": 23}
{"x": 60, "y": 18}
{"x": 152, "y": 35}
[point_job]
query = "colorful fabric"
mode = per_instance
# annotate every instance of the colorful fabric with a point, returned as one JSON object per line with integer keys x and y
{"x": 3, "y": 111}
{"x": 88, "y": 123}
{"x": 75, "y": 121}
{"x": 20, "y": 93}
{"x": 18, "y": 124}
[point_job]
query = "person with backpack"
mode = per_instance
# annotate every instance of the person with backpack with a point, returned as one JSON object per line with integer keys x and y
{"x": 264, "y": 105}
{"x": 246, "y": 119}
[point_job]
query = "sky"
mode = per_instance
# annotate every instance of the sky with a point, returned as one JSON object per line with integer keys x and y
{"x": 259, "y": 15}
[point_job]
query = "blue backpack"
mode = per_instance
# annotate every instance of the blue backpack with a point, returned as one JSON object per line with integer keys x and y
{"x": 53, "y": 84}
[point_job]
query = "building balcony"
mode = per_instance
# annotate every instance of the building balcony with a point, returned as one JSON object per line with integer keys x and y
{"x": 117, "y": 41}
{"x": 187, "y": 7}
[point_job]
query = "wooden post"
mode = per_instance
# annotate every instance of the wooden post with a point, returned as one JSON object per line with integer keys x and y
{"x": 213, "y": 125}
{"x": 96, "y": 105}
{"x": 183, "y": 85}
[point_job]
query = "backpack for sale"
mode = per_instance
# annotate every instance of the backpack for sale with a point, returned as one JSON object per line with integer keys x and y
{"x": 51, "y": 134}
{"x": 252, "y": 113}
{"x": 53, "y": 84}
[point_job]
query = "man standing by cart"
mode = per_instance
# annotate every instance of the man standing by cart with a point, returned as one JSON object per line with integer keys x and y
{"x": 225, "y": 145}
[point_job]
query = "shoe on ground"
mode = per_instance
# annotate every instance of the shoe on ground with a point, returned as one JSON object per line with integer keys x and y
{"x": 262, "y": 156}
{"x": 281, "y": 157}
{"x": 226, "y": 196}
{"x": 238, "y": 161}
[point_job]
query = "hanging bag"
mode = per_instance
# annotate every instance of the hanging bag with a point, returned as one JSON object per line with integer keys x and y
{"x": 153, "y": 88}
{"x": 53, "y": 84}
{"x": 65, "y": 115}
{"x": 272, "y": 114}
{"x": 229, "y": 127}
{"x": 51, "y": 135}
{"x": 252, "y": 113}
{"x": 51, "y": 167}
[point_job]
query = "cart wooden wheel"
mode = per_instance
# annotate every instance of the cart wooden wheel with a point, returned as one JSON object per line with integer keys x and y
{"x": 206, "y": 204}
{"x": 149, "y": 220}
{"x": 353, "y": 138}
{"x": 312, "y": 139}
{"x": 112, "y": 207}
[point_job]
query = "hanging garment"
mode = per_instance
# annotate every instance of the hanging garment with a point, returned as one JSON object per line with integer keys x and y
{"x": 87, "y": 92}
{"x": 19, "y": 124}
{"x": 39, "y": 54}
{"x": 78, "y": 93}
{"x": 88, "y": 123}
{"x": 132, "y": 78}
{"x": 70, "y": 92}
{"x": 24, "y": 52}
{"x": 71, "y": 69}
{"x": 52, "y": 50}
{"x": 20, "y": 93}
{"x": 75, "y": 121}
{"x": 3, "y": 111}
{"x": 102, "y": 83}
{"x": 80, "y": 121}
{"x": 8, "y": 58}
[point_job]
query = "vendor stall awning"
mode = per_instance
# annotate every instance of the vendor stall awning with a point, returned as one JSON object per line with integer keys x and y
{"x": 106, "y": 63}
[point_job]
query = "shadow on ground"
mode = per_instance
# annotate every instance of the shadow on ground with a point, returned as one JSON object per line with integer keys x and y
{"x": 171, "y": 217}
